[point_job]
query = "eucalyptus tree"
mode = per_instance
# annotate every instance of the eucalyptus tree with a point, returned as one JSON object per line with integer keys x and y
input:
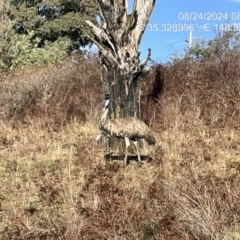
{"x": 43, "y": 30}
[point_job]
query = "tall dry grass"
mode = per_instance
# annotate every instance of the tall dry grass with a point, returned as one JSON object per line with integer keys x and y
{"x": 60, "y": 92}
{"x": 202, "y": 93}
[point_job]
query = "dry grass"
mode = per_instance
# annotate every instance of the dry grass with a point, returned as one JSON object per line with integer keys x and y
{"x": 55, "y": 183}
{"x": 60, "y": 92}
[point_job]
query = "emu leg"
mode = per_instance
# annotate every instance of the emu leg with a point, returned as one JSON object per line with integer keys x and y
{"x": 127, "y": 144}
{"x": 138, "y": 152}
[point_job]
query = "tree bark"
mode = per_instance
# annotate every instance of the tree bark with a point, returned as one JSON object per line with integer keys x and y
{"x": 118, "y": 36}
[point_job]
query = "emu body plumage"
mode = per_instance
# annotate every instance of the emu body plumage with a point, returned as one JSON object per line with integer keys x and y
{"x": 129, "y": 128}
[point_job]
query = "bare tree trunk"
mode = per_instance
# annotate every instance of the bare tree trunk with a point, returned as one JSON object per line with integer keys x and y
{"x": 118, "y": 37}
{"x": 124, "y": 96}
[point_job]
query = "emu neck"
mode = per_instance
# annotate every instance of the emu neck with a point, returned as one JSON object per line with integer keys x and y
{"x": 103, "y": 117}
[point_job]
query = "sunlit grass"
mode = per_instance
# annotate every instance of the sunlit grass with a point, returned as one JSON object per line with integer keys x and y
{"x": 56, "y": 182}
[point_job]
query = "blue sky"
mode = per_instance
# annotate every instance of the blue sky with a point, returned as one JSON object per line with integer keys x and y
{"x": 168, "y": 25}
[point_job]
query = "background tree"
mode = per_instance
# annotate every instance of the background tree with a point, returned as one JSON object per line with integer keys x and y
{"x": 45, "y": 30}
{"x": 118, "y": 36}
{"x": 223, "y": 43}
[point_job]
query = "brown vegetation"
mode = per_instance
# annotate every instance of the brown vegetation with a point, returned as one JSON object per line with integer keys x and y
{"x": 55, "y": 183}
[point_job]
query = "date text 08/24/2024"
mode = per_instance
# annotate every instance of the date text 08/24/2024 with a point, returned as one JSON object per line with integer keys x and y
{"x": 209, "y": 16}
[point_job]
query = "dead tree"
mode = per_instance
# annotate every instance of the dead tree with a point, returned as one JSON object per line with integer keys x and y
{"x": 117, "y": 37}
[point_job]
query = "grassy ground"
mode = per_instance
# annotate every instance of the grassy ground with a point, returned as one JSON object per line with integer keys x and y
{"x": 56, "y": 185}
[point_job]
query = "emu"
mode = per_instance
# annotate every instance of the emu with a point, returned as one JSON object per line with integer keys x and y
{"x": 129, "y": 128}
